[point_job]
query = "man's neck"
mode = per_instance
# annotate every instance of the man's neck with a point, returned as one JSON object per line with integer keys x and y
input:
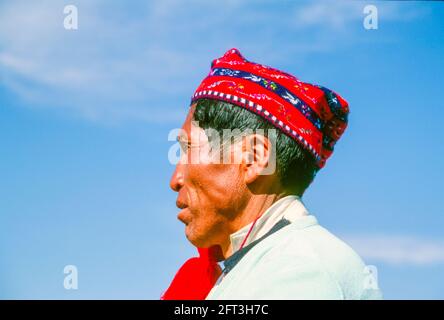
{"x": 257, "y": 205}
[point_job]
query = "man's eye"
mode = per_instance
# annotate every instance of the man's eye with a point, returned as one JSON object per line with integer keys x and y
{"x": 183, "y": 146}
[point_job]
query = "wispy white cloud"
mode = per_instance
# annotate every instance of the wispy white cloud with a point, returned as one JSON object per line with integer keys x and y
{"x": 105, "y": 71}
{"x": 398, "y": 250}
{"x": 142, "y": 61}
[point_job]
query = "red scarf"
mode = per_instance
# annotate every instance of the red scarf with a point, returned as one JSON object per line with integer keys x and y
{"x": 196, "y": 277}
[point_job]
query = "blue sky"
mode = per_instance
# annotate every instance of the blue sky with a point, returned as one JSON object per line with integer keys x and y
{"x": 85, "y": 116}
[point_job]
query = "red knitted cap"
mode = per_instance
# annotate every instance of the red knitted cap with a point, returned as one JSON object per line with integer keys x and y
{"x": 312, "y": 115}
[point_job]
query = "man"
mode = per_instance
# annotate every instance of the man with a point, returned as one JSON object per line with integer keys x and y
{"x": 238, "y": 210}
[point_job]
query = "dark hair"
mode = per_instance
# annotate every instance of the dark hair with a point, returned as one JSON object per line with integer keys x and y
{"x": 296, "y": 167}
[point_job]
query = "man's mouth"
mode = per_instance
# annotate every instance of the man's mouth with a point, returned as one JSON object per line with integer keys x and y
{"x": 182, "y": 216}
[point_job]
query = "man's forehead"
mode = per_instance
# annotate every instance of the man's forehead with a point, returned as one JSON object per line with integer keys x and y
{"x": 187, "y": 123}
{"x": 186, "y": 126}
{"x": 190, "y": 130}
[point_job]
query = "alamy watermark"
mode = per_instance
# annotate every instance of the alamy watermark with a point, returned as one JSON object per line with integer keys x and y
{"x": 209, "y": 146}
{"x": 370, "y": 277}
{"x": 71, "y": 20}
{"x": 71, "y": 279}
{"x": 371, "y": 19}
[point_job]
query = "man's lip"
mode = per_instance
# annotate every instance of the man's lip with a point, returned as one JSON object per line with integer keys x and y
{"x": 183, "y": 217}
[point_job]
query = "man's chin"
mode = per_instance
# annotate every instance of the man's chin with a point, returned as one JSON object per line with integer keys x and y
{"x": 197, "y": 241}
{"x": 194, "y": 241}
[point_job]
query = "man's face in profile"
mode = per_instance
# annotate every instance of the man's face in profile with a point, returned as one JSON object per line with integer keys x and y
{"x": 209, "y": 194}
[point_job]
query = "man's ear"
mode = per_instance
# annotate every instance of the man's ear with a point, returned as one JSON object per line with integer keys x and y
{"x": 258, "y": 154}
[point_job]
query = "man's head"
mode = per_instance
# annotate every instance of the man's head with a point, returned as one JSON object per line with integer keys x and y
{"x": 213, "y": 195}
{"x": 251, "y": 101}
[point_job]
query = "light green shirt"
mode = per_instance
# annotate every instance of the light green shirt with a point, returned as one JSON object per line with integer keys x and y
{"x": 300, "y": 261}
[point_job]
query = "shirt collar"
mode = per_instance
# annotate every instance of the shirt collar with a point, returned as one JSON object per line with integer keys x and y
{"x": 289, "y": 207}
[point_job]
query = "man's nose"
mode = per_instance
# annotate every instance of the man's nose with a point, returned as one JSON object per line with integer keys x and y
{"x": 177, "y": 178}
